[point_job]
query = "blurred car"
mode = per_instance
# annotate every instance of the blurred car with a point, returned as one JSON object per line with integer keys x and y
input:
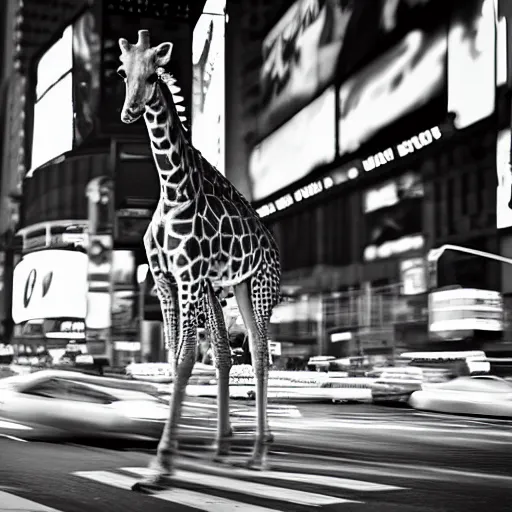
{"x": 83, "y": 404}
{"x": 396, "y": 384}
{"x": 483, "y": 395}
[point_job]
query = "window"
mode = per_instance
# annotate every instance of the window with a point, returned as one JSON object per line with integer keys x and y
{"x": 51, "y": 388}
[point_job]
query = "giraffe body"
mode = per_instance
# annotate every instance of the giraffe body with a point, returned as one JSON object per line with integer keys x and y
{"x": 204, "y": 236}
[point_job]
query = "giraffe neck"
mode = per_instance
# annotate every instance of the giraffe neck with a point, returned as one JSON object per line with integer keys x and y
{"x": 170, "y": 149}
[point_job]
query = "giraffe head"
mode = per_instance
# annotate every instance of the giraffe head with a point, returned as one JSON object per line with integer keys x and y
{"x": 139, "y": 63}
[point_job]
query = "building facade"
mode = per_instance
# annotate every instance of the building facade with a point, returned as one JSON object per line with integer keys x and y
{"x": 369, "y": 156}
{"x": 62, "y": 132}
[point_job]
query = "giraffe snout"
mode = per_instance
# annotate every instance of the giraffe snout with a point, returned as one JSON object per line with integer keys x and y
{"x": 130, "y": 115}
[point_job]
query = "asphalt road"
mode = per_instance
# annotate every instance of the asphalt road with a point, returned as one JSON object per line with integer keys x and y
{"x": 336, "y": 458}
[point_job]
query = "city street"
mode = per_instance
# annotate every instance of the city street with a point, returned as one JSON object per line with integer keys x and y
{"x": 326, "y": 457}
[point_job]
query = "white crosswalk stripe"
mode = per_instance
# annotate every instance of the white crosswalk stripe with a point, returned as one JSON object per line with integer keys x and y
{"x": 12, "y": 503}
{"x": 242, "y": 486}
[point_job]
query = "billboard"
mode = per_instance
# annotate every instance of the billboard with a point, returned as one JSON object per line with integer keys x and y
{"x": 67, "y": 91}
{"x": 50, "y": 284}
{"x": 316, "y": 41}
{"x": 116, "y": 26}
{"x": 405, "y": 78}
{"x": 472, "y": 61}
{"x": 306, "y": 141}
{"x": 54, "y": 101}
{"x": 393, "y": 217}
{"x": 86, "y": 74}
{"x": 208, "y": 89}
{"x": 504, "y": 179}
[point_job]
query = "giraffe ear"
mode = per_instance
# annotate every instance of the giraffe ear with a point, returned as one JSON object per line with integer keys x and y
{"x": 163, "y": 54}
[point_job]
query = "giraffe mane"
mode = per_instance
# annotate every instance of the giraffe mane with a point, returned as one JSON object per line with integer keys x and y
{"x": 173, "y": 89}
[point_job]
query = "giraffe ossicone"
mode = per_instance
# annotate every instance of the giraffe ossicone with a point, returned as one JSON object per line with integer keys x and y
{"x": 204, "y": 236}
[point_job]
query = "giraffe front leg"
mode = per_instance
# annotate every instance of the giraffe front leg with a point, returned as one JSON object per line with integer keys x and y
{"x": 163, "y": 465}
{"x": 220, "y": 344}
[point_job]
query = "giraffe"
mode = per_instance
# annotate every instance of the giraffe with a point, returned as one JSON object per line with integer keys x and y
{"x": 204, "y": 235}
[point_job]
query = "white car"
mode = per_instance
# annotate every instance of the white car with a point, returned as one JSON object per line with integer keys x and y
{"x": 483, "y": 395}
{"x": 83, "y": 404}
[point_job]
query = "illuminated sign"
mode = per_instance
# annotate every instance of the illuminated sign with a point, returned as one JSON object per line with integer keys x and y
{"x": 55, "y": 283}
{"x": 413, "y": 276}
{"x": 394, "y": 247}
{"x": 472, "y": 61}
{"x": 465, "y": 309}
{"x": 352, "y": 171}
{"x": 400, "y": 82}
{"x": 504, "y": 179}
{"x": 306, "y": 141}
{"x": 68, "y": 329}
{"x": 403, "y": 149}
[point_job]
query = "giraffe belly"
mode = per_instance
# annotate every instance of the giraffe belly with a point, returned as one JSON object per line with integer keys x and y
{"x": 223, "y": 275}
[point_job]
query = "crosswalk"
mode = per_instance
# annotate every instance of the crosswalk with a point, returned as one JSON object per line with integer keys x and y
{"x": 230, "y": 489}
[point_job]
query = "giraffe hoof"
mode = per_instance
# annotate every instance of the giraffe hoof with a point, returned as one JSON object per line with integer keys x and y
{"x": 154, "y": 484}
{"x": 223, "y": 445}
{"x": 255, "y": 464}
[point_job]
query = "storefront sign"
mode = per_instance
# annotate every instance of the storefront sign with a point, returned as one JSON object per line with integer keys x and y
{"x": 465, "y": 309}
{"x": 341, "y": 336}
{"x": 50, "y": 284}
{"x": 68, "y": 329}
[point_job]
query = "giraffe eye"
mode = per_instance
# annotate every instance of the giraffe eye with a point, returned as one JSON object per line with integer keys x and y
{"x": 122, "y": 73}
{"x": 153, "y": 78}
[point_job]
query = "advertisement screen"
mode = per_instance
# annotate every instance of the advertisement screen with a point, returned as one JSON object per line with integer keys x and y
{"x": 393, "y": 217}
{"x": 472, "y": 61}
{"x": 504, "y": 178}
{"x": 86, "y": 74}
{"x": 116, "y": 26}
{"x": 317, "y": 40}
{"x": 296, "y": 148}
{"x": 54, "y": 101}
{"x": 208, "y": 87}
{"x": 50, "y": 284}
{"x": 404, "y": 79}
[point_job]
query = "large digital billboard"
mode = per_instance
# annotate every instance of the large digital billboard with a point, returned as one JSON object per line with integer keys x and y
{"x": 50, "y": 284}
{"x": 405, "y": 78}
{"x": 472, "y": 61}
{"x": 296, "y": 148}
{"x": 86, "y": 74}
{"x": 67, "y": 91}
{"x": 504, "y": 180}
{"x": 318, "y": 40}
{"x": 208, "y": 55}
{"x": 54, "y": 102}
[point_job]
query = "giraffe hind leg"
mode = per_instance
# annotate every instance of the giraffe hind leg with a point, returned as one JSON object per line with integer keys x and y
{"x": 220, "y": 343}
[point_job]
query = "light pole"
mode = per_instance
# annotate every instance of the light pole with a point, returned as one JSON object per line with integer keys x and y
{"x": 142, "y": 273}
{"x": 434, "y": 255}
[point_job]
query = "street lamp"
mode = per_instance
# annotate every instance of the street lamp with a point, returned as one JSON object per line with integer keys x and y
{"x": 142, "y": 273}
{"x": 434, "y": 255}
